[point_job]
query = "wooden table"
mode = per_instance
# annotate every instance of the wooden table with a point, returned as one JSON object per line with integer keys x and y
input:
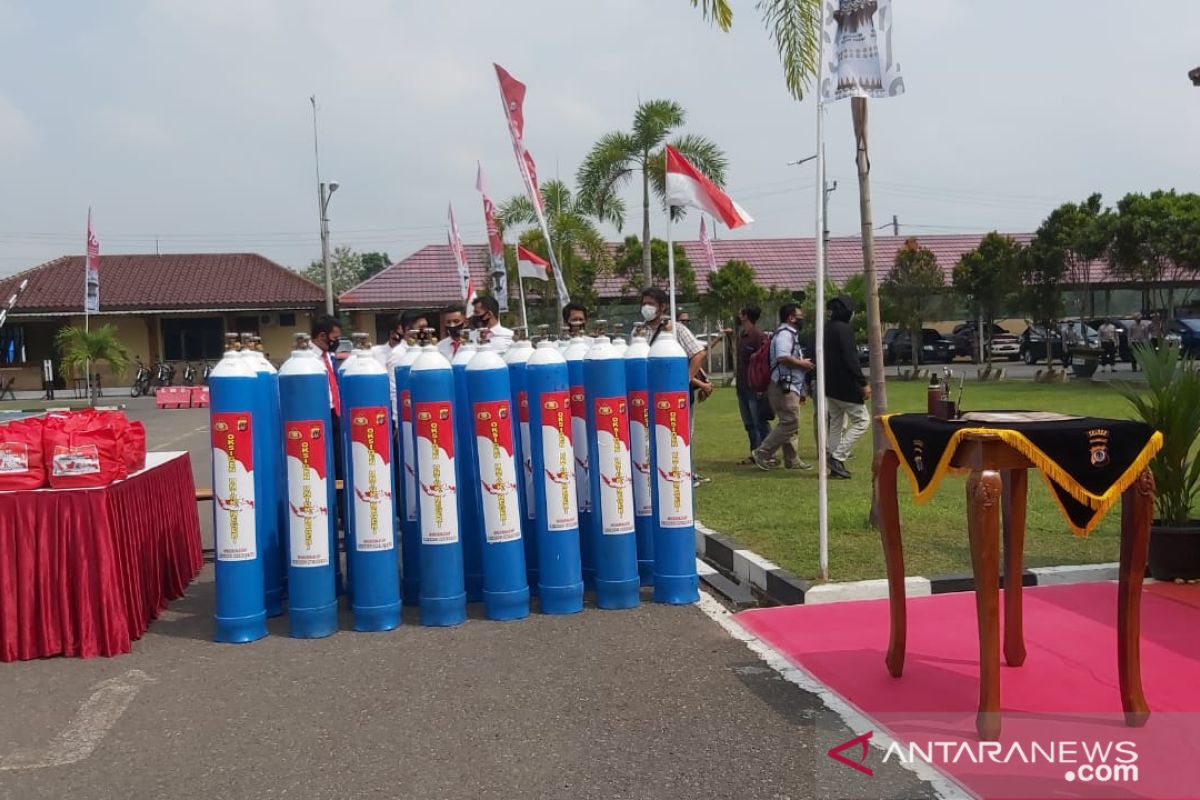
{"x": 997, "y": 481}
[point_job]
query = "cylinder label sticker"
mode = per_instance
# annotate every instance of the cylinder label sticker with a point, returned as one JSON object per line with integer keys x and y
{"x": 497, "y": 472}
{"x": 613, "y": 465}
{"x": 371, "y": 458}
{"x": 409, "y": 472}
{"x": 558, "y": 462}
{"x": 673, "y": 466}
{"x": 583, "y": 474}
{"x": 526, "y": 454}
{"x": 233, "y": 487}
{"x": 639, "y": 452}
{"x": 436, "y": 479}
{"x": 308, "y": 492}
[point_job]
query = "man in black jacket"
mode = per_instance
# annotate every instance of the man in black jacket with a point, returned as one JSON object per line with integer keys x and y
{"x": 846, "y": 388}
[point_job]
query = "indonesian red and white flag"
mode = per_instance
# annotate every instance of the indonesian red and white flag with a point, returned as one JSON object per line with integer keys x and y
{"x": 710, "y": 259}
{"x": 498, "y": 274}
{"x": 531, "y": 265}
{"x": 91, "y": 270}
{"x": 688, "y": 186}
{"x": 460, "y": 260}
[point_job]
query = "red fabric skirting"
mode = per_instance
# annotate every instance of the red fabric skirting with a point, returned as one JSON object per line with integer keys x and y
{"x": 84, "y": 572}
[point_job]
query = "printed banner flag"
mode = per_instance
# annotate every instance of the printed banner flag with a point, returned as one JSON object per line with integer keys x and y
{"x": 710, "y": 259}
{"x": 498, "y": 273}
{"x": 688, "y": 186}
{"x": 91, "y": 271}
{"x": 531, "y": 265}
{"x": 512, "y": 96}
{"x": 859, "y": 60}
{"x": 460, "y": 261}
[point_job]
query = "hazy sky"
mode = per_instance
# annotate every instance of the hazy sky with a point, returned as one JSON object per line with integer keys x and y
{"x": 190, "y": 121}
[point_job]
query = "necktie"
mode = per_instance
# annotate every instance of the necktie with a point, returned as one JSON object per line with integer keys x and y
{"x": 335, "y": 398}
{"x": 454, "y": 347}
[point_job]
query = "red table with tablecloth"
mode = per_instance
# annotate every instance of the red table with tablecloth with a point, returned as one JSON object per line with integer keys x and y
{"x": 83, "y": 572}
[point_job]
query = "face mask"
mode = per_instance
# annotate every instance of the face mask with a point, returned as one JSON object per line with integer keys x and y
{"x": 333, "y": 344}
{"x": 477, "y": 322}
{"x": 453, "y": 330}
{"x": 649, "y": 312}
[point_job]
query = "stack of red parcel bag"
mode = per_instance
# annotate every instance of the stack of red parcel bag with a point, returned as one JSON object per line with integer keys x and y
{"x": 70, "y": 450}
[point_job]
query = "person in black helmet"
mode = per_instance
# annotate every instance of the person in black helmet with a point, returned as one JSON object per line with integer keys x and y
{"x": 846, "y": 388}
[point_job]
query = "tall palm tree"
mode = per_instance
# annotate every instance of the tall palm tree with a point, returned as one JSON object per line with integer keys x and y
{"x": 579, "y": 246}
{"x": 80, "y": 350}
{"x": 616, "y": 156}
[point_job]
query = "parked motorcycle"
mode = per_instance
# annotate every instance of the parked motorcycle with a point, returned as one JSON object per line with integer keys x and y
{"x": 189, "y": 374}
{"x": 164, "y": 375}
{"x": 141, "y": 380}
{"x": 205, "y": 372}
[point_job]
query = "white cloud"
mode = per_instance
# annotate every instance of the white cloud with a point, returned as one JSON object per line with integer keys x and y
{"x": 17, "y": 135}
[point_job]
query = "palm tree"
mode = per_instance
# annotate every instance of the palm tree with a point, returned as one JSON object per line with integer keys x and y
{"x": 616, "y": 156}
{"x": 579, "y": 246}
{"x": 80, "y": 349}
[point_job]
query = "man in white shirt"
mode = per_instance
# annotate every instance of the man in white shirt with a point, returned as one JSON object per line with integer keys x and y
{"x": 395, "y": 338}
{"x": 1139, "y": 335}
{"x": 1108, "y": 346}
{"x": 452, "y": 318}
{"x": 487, "y": 316}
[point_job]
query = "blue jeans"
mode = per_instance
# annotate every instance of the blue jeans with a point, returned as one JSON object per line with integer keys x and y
{"x": 755, "y": 416}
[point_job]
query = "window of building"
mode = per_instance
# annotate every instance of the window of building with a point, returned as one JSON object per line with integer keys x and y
{"x": 12, "y": 345}
{"x": 287, "y": 319}
{"x": 192, "y": 338}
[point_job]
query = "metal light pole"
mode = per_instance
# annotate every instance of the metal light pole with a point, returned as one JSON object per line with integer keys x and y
{"x": 325, "y": 192}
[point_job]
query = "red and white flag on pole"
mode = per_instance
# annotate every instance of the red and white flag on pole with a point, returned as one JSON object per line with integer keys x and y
{"x": 688, "y": 186}
{"x": 512, "y": 96}
{"x": 91, "y": 270}
{"x": 710, "y": 258}
{"x": 531, "y": 265}
{"x": 460, "y": 260}
{"x": 497, "y": 272}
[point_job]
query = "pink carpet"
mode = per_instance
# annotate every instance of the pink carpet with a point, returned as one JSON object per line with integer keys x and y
{"x": 1066, "y": 691}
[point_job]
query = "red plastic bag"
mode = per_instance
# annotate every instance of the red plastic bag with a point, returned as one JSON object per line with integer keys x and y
{"x": 21, "y": 455}
{"x": 83, "y": 450}
{"x": 135, "y": 447}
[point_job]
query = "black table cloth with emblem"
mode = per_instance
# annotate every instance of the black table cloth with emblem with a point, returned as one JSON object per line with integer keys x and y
{"x": 1087, "y": 462}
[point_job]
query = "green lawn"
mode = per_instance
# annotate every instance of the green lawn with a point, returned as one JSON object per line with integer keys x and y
{"x": 775, "y": 513}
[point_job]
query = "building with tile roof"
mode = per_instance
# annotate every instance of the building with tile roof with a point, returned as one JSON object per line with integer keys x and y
{"x": 174, "y": 307}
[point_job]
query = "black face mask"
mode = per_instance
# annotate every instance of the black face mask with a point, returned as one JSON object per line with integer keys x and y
{"x": 453, "y": 330}
{"x": 477, "y": 322}
{"x": 333, "y": 344}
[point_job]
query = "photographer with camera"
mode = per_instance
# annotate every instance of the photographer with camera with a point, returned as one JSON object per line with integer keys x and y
{"x": 787, "y": 391}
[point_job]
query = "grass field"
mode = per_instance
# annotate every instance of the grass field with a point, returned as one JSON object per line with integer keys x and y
{"x": 775, "y": 513}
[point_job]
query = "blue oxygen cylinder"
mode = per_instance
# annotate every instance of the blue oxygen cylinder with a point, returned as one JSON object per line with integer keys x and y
{"x": 240, "y": 614}
{"x": 505, "y": 585}
{"x": 639, "y": 451}
{"x": 370, "y": 493}
{"x": 517, "y": 359}
{"x": 468, "y": 476}
{"x": 560, "y": 574}
{"x": 268, "y": 457}
{"x": 574, "y": 355}
{"x": 406, "y": 453}
{"x": 675, "y": 579}
{"x": 312, "y": 515}
{"x": 613, "y": 530}
{"x": 443, "y": 598}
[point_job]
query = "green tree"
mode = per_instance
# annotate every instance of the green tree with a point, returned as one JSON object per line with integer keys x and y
{"x": 81, "y": 350}
{"x": 1043, "y": 269}
{"x": 628, "y": 266}
{"x": 1156, "y": 241}
{"x": 618, "y": 155}
{"x": 579, "y": 247}
{"x": 912, "y": 291}
{"x": 731, "y": 288}
{"x": 1081, "y": 232}
{"x": 987, "y": 278}
{"x": 855, "y": 288}
{"x": 345, "y": 265}
{"x": 372, "y": 264}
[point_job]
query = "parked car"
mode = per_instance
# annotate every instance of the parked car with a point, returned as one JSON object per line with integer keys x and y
{"x": 864, "y": 355}
{"x": 1033, "y": 341}
{"x": 1001, "y": 343}
{"x": 1187, "y": 333}
{"x": 935, "y": 348}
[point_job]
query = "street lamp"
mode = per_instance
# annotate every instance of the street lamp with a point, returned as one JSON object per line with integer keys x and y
{"x": 326, "y": 192}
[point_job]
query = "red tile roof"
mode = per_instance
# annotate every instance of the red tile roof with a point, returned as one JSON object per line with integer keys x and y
{"x": 428, "y": 277}
{"x": 166, "y": 282}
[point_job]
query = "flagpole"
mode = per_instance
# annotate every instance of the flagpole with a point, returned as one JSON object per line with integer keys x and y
{"x": 521, "y": 289}
{"x": 87, "y": 364}
{"x": 819, "y": 345}
{"x": 671, "y": 261}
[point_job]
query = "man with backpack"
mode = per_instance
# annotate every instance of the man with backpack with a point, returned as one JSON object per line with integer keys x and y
{"x": 752, "y": 402}
{"x": 786, "y": 391}
{"x": 846, "y": 388}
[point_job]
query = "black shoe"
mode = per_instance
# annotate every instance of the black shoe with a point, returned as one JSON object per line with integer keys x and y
{"x": 837, "y": 469}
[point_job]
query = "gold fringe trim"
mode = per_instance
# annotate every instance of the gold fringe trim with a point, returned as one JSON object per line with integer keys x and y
{"x": 1052, "y": 473}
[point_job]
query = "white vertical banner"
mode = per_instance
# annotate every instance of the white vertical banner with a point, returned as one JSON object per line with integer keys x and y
{"x": 858, "y": 57}
{"x": 460, "y": 261}
{"x": 91, "y": 271}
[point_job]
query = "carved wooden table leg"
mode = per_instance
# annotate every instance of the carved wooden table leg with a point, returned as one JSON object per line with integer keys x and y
{"x": 1137, "y": 511}
{"x": 983, "y": 525}
{"x": 1015, "y": 485}
{"x": 886, "y": 464}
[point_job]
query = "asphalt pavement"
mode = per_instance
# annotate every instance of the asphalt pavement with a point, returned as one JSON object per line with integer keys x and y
{"x": 656, "y": 702}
